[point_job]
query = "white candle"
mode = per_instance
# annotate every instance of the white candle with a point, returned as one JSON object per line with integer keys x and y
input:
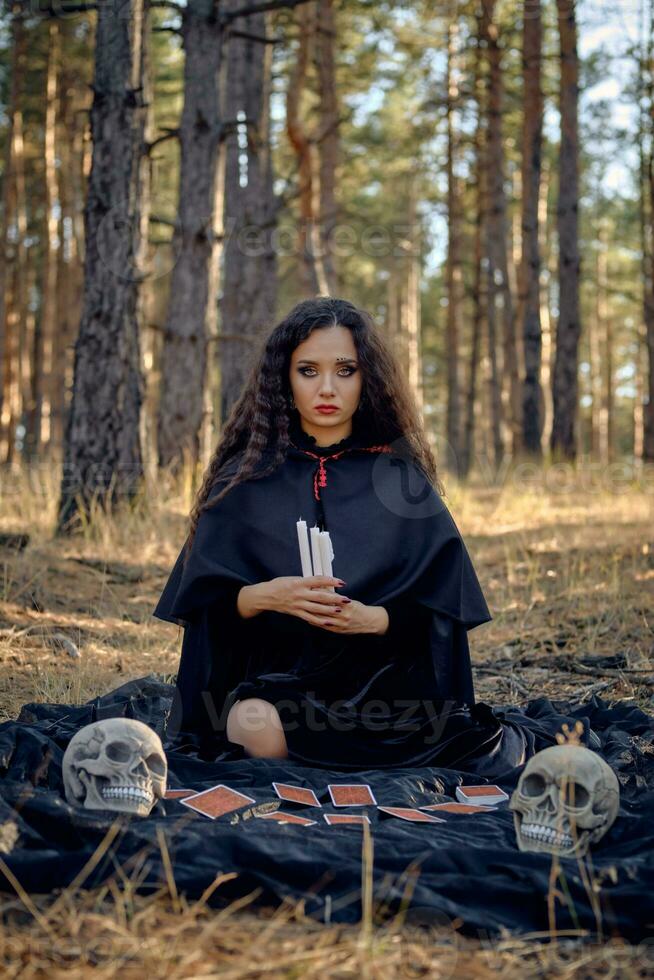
{"x": 326, "y": 553}
{"x": 305, "y": 554}
{"x": 315, "y": 550}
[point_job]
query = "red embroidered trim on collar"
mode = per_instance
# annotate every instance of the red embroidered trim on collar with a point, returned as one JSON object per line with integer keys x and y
{"x": 320, "y": 476}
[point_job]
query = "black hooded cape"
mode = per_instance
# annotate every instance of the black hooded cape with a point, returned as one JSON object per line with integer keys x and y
{"x": 402, "y": 698}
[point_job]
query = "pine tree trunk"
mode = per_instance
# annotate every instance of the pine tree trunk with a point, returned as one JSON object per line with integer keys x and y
{"x": 595, "y": 362}
{"x": 532, "y": 396}
{"x": 413, "y": 305}
{"x": 145, "y": 259}
{"x": 499, "y": 294}
{"x": 478, "y": 282}
{"x": 648, "y": 409}
{"x": 393, "y": 303}
{"x": 397, "y": 312}
{"x": 46, "y": 324}
{"x": 403, "y": 320}
{"x": 328, "y": 137}
{"x": 102, "y": 451}
{"x": 13, "y": 319}
{"x": 640, "y": 380}
{"x": 192, "y": 284}
{"x": 646, "y": 125}
{"x": 605, "y": 336}
{"x": 4, "y": 226}
{"x": 565, "y": 380}
{"x": 70, "y": 280}
{"x": 547, "y": 302}
{"x": 453, "y": 275}
{"x": 493, "y": 376}
{"x": 313, "y": 277}
{"x": 249, "y": 288}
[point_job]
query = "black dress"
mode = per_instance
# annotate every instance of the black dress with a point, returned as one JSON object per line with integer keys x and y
{"x": 402, "y": 698}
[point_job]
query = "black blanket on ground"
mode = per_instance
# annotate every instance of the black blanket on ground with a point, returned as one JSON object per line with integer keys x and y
{"x": 466, "y": 870}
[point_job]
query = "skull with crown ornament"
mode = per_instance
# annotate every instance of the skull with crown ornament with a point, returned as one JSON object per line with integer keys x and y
{"x": 566, "y": 799}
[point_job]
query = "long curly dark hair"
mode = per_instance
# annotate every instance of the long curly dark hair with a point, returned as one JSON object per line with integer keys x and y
{"x": 257, "y": 429}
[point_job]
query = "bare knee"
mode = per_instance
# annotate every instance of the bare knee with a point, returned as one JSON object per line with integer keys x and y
{"x": 255, "y": 724}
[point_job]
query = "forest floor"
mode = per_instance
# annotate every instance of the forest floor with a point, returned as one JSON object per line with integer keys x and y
{"x": 567, "y": 566}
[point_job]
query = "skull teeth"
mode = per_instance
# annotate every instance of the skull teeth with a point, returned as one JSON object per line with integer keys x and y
{"x": 127, "y": 793}
{"x": 547, "y": 835}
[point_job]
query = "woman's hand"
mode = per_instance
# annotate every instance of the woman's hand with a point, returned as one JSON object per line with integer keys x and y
{"x": 307, "y": 597}
{"x": 310, "y": 598}
{"x": 358, "y": 618}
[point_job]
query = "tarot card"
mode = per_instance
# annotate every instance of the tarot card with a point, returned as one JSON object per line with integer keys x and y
{"x": 408, "y": 813}
{"x": 178, "y": 794}
{"x": 338, "y": 818}
{"x": 279, "y": 817}
{"x": 351, "y": 794}
{"x": 296, "y": 794}
{"x": 458, "y": 808}
{"x": 217, "y": 800}
{"x": 481, "y": 795}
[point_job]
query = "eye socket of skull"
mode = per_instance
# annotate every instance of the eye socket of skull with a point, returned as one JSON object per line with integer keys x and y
{"x": 533, "y": 785}
{"x": 156, "y": 764}
{"x": 575, "y": 796}
{"x": 119, "y": 751}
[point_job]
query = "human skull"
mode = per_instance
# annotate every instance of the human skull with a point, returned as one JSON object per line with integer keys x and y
{"x": 115, "y": 764}
{"x": 566, "y": 798}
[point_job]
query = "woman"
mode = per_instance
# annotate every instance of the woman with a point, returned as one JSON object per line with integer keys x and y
{"x": 278, "y": 665}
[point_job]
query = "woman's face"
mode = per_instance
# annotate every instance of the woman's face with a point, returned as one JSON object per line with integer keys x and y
{"x": 325, "y": 371}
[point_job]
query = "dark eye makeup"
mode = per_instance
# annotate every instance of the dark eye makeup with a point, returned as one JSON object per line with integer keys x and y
{"x": 347, "y": 368}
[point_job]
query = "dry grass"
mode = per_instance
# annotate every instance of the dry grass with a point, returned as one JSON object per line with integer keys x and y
{"x": 115, "y": 932}
{"x": 568, "y": 570}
